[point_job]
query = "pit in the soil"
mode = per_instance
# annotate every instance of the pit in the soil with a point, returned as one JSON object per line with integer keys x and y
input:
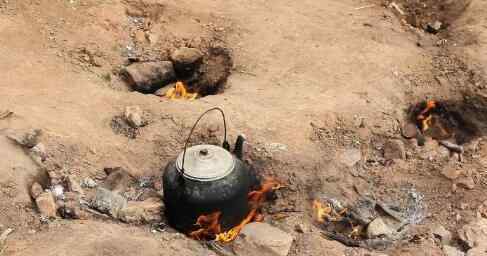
{"x": 424, "y": 13}
{"x": 190, "y": 73}
{"x": 445, "y": 120}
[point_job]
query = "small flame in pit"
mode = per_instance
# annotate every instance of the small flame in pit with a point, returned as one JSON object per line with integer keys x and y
{"x": 180, "y": 91}
{"x": 209, "y": 224}
{"x": 425, "y": 116}
{"x": 325, "y": 212}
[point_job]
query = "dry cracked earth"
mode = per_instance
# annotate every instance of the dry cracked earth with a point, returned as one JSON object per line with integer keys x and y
{"x": 332, "y": 97}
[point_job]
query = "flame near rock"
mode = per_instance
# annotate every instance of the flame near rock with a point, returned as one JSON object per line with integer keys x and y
{"x": 325, "y": 212}
{"x": 209, "y": 224}
{"x": 180, "y": 91}
{"x": 425, "y": 117}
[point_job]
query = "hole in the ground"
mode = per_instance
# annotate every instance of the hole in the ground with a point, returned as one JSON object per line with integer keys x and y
{"x": 445, "y": 120}
{"x": 430, "y": 15}
{"x": 188, "y": 74}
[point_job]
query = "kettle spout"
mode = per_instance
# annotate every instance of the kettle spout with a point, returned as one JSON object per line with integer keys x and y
{"x": 238, "y": 149}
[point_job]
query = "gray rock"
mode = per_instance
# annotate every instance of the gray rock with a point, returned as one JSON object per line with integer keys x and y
{"x": 364, "y": 211}
{"x": 118, "y": 179}
{"x": 36, "y": 190}
{"x": 350, "y": 157}
{"x": 442, "y": 233}
{"x": 46, "y": 205}
{"x": 27, "y": 138}
{"x": 88, "y": 183}
{"x": 107, "y": 201}
{"x": 452, "y": 251}
{"x": 262, "y": 239}
{"x": 148, "y": 77}
{"x": 379, "y": 228}
{"x": 186, "y": 60}
{"x": 148, "y": 211}
{"x": 394, "y": 149}
{"x": 134, "y": 116}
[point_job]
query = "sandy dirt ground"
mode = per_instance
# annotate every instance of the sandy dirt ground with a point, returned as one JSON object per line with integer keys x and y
{"x": 319, "y": 79}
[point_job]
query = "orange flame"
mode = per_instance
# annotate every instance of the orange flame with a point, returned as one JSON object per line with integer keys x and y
{"x": 210, "y": 227}
{"x": 425, "y": 117}
{"x": 325, "y": 212}
{"x": 180, "y": 91}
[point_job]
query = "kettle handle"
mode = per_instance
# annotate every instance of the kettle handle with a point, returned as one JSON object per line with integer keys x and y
{"x": 225, "y": 145}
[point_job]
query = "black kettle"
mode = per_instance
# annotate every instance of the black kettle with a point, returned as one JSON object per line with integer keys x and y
{"x": 205, "y": 179}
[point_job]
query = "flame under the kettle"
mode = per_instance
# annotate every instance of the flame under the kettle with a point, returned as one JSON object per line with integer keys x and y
{"x": 209, "y": 225}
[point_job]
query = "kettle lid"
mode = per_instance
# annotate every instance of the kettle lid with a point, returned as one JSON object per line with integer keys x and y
{"x": 206, "y": 163}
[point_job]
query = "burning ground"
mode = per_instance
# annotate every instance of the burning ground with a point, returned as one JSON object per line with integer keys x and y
{"x": 323, "y": 91}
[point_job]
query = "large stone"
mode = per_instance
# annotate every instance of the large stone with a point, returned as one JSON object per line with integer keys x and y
{"x": 134, "y": 116}
{"x": 379, "y": 228}
{"x": 186, "y": 60}
{"x": 27, "y": 138}
{"x": 148, "y": 77}
{"x": 107, "y": 201}
{"x": 148, "y": 211}
{"x": 394, "y": 149}
{"x": 262, "y": 239}
{"x": 46, "y": 205}
{"x": 118, "y": 179}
